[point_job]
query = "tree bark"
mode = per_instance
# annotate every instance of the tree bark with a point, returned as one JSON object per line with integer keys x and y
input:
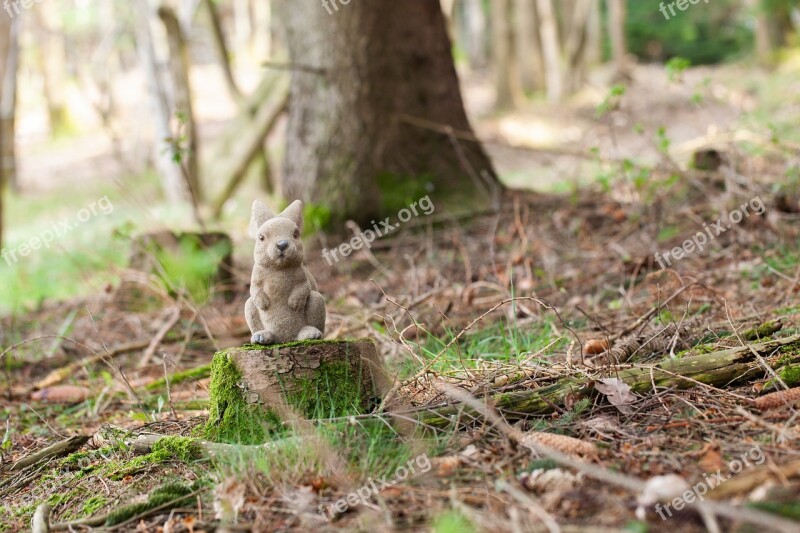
{"x": 528, "y": 50}
{"x": 182, "y": 104}
{"x": 594, "y": 52}
{"x": 255, "y": 390}
{"x": 360, "y": 71}
{"x": 502, "y": 51}
{"x": 5, "y": 46}
{"x": 218, "y": 37}
{"x": 8, "y": 107}
{"x": 762, "y": 31}
{"x": 617, "y": 13}
{"x": 172, "y": 181}
{"x": 475, "y": 33}
{"x": 576, "y": 42}
{"x": 52, "y": 56}
{"x": 551, "y": 48}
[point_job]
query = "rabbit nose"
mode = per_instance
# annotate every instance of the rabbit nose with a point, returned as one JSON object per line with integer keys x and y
{"x": 282, "y": 245}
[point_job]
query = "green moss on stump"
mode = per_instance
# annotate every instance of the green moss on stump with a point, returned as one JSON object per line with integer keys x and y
{"x": 230, "y": 418}
{"x": 333, "y": 389}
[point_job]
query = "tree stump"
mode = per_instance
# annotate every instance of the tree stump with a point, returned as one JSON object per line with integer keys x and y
{"x": 165, "y": 261}
{"x": 255, "y": 389}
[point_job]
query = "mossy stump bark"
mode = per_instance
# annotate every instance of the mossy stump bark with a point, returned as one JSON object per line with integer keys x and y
{"x": 256, "y": 389}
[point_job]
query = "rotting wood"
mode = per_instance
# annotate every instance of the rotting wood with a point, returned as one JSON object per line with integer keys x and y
{"x": 64, "y": 447}
{"x": 717, "y": 369}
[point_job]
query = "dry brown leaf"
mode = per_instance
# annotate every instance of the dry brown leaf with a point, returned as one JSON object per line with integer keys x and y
{"x": 617, "y": 391}
{"x": 447, "y": 466}
{"x": 61, "y": 394}
{"x": 712, "y": 460}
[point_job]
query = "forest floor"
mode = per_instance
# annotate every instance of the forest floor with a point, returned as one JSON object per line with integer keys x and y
{"x": 515, "y": 308}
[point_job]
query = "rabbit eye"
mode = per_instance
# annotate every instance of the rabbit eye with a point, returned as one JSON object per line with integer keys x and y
{"x": 296, "y": 233}
{"x": 260, "y": 237}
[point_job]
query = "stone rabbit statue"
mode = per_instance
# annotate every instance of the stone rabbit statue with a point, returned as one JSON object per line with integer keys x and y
{"x": 284, "y": 304}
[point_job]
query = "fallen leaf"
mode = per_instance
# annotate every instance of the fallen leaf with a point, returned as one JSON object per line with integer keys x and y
{"x": 712, "y": 460}
{"x": 318, "y": 483}
{"x": 228, "y": 500}
{"x": 617, "y": 391}
{"x": 447, "y": 466}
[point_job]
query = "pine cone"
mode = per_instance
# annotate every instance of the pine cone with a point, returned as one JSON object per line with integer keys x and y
{"x": 778, "y": 399}
{"x": 561, "y": 443}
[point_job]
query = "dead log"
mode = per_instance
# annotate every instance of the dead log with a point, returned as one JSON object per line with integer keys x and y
{"x": 59, "y": 449}
{"x": 255, "y": 390}
{"x": 718, "y": 369}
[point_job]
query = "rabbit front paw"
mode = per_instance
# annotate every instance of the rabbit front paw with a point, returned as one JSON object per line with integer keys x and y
{"x": 298, "y": 298}
{"x": 261, "y": 300}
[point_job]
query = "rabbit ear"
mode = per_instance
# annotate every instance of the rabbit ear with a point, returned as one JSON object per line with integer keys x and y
{"x": 261, "y": 214}
{"x": 294, "y": 213}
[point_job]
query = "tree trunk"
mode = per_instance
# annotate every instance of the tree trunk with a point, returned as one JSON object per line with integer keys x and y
{"x": 617, "y": 13}
{"x": 576, "y": 42}
{"x": 363, "y": 76}
{"x": 594, "y": 51}
{"x": 475, "y": 33}
{"x": 551, "y": 48}
{"x": 182, "y": 105}
{"x": 218, "y": 37}
{"x": 528, "y": 49}
{"x": 52, "y": 56}
{"x": 762, "y": 31}
{"x": 502, "y": 52}
{"x": 5, "y": 46}
{"x": 8, "y": 107}
{"x": 173, "y": 183}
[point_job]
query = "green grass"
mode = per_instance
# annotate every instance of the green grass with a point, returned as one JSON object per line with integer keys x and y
{"x": 85, "y": 258}
{"x": 80, "y": 260}
{"x": 504, "y": 342}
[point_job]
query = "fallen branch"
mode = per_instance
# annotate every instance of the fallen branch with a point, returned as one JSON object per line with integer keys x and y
{"x": 718, "y": 369}
{"x": 64, "y": 447}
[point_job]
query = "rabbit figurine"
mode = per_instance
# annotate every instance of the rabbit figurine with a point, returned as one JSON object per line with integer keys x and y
{"x": 284, "y": 304}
